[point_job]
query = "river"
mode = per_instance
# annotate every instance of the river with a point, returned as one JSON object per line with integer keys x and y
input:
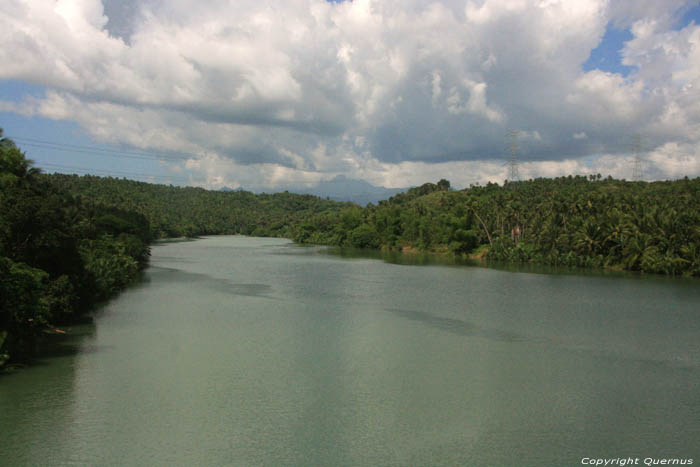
{"x": 250, "y": 351}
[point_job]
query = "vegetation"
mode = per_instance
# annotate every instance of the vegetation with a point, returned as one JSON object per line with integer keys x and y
{"x": 59, "y": 254}
{"x": 67, "y": 242}
{"x": 188, "y": 212}
{"x": 571, "y": 221}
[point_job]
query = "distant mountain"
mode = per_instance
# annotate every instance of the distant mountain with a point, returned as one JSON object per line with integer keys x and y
{"x": 342, "y": 188}
{"x": 228, "y": 189}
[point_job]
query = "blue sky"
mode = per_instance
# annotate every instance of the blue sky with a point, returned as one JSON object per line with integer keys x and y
{"x": 62, "y": 146}
{"x": 349, "y": 89}
{"x": 608, "y": 55}
{"x": 691, "y": 15}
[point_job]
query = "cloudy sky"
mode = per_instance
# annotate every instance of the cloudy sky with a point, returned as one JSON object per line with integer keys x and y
{"x": 267, "y": 94}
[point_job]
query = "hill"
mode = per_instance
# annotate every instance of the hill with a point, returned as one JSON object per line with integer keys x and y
{"x": 572, "y": 221}
{"x": 342, "y": 188}
{"x": 187, "y": 211}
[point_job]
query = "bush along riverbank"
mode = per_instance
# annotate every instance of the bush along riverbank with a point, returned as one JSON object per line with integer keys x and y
{"x": 567, "y": 221}
{"x": 69, "y": 242}
{"x": 59, "y": 255}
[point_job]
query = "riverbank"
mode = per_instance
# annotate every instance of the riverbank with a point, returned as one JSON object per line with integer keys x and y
{"x": 348, "y": 361}
{"x": 572, "y": 221}
{"x": 569, "y": 221}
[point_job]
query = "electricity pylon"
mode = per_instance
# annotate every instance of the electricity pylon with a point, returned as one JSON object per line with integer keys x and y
{"x": 513, "y": 161}
{"x": 637, "y": 167}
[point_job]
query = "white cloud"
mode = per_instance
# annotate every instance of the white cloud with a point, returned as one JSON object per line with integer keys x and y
{"x": 624, "y": 13}
{"x": 398, "y": 92}
{"x": 474, "y": 104}
{"x": 673, "y": 160}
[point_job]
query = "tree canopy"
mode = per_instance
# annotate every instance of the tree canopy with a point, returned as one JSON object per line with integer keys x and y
{"x": 572, "y": 221}
{"x": 69, "y": 241}
{"x": 59, "y": 254}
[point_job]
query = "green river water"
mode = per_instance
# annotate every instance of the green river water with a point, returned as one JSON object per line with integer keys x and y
{"x": 250, "y": 351}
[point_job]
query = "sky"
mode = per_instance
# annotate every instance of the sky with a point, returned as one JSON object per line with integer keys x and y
{"x": 268, "y": 95}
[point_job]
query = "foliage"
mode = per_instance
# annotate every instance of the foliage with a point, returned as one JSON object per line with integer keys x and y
{"x": 58, "y": 254}
{"x": 189, "y": 212}
{"x": 571, "y": 221}
{"x": 67, "y": 242}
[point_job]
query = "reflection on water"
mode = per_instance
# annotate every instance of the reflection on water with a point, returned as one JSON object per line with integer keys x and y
{"x": 36, "y": 400}
{"x": 56, "y": 346}
{"x": 396, "y": 257}
{"x": 175, "y": 275}
{"x": 246, "y": 351}
{"x": 458, "y": 326}
{"x": 427, "y": 259}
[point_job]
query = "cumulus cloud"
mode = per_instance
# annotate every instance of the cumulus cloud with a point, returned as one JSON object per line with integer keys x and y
{"x": 268, "y": 93}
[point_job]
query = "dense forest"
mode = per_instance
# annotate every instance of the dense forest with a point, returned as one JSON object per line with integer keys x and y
{"x": 187, "y": 211}
{"x": 570, "y": 221}
{"x": 59, "y": 255}
{"x": 68, "y": 242}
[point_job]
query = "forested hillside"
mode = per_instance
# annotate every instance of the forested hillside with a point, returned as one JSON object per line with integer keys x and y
{"x": 67, "y": 242}
{"x": 59, "y": 255}
{"x": 572, "y": 221}
{"x": 187, "y": 211}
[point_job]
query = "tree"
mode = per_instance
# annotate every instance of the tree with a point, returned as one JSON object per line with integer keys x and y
{"x": 13, "y": 164}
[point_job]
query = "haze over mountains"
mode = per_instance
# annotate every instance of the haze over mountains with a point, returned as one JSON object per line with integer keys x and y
{"x": 342, "y": 188}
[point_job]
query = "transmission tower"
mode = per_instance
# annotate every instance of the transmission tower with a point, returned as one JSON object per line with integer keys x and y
{"x": 513, "y": 161}
{"x": 637, "y": 167}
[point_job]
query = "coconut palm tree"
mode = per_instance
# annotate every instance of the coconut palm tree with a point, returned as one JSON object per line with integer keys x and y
{"x": 13, "y": 162}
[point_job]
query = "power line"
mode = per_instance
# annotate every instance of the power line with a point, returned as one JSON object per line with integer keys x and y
{"x": 80, "y": 151}
{"x": 43, "y": 144}
{"x": 103, "y": 152}
{"x": 89, "y": 171}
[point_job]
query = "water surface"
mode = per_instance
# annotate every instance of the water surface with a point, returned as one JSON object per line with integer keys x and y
{"x": 249, "y": 351}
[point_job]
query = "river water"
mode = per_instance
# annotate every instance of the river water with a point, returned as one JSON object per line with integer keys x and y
{"x": 250, "y": 351}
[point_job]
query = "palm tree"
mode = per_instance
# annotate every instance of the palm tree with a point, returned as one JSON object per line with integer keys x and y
{"x": 12, "y": 160}
{"x": 4, "y": 141}
{"x": 691, "y": 252}
{"x": 587, "y": 238}
{"x": 641, "y": 253}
